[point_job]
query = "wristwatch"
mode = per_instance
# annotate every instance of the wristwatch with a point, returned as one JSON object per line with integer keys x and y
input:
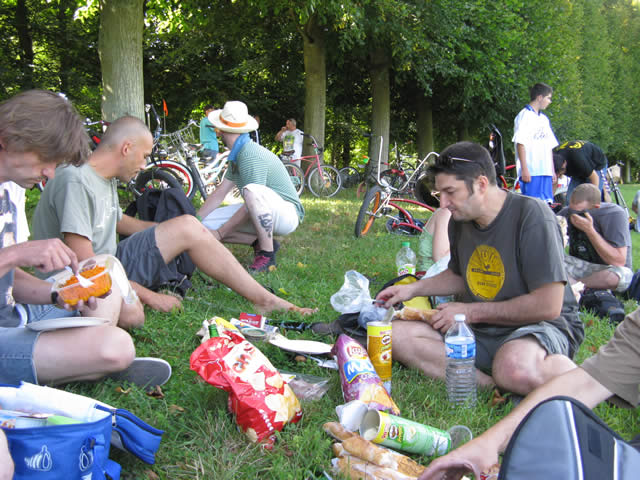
{"x": 54, "y": 297}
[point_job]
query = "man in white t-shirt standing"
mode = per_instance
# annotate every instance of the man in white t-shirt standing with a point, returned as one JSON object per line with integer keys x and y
{"x": 534, "y": 141}
{"x": 291, "y": 138}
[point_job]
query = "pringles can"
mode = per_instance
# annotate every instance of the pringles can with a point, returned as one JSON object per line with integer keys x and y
{"x": 402, "y": 434}
{"x": 379, "y": 350}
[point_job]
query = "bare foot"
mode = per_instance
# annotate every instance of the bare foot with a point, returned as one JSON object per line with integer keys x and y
{"x": 278, "y": 304}
{"x": 163, "y": 303}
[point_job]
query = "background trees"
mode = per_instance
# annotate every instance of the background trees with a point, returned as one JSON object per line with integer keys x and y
{"x": 422, "y": 73}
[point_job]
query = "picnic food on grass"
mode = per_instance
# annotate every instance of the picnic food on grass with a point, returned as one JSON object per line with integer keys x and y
{"x": 72, "y": 292}
{"x": 360, "y": 458}
{"x": 337, "y": 431}
{"x": 415, "y": 314}
{"x": 358, "y": 376}
{"x": 258, "y": 397}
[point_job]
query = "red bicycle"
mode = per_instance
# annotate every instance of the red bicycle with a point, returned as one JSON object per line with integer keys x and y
{"x": 323, "y": 180}
{"x": 380, "y": 202}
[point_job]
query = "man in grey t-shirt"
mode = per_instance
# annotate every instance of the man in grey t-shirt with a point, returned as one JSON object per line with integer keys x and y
{"x": 506, "y": 267}
{"x": 599, "y": 241}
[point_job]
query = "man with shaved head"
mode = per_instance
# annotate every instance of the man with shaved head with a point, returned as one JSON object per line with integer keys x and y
{"x": 81, "y": 207}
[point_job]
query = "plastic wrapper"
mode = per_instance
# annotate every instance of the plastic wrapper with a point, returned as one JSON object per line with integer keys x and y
{"x": 359, "y": 378}
{"x": 306, "y": 387}
{"x": 258, "y": 397}
{"x": 354, "y": 294}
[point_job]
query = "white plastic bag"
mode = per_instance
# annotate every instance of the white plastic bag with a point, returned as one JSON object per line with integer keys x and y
{"x": 354, "y": 294}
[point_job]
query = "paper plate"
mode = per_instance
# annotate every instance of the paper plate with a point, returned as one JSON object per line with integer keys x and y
{"x": 70, "y": 322}
{"x": 300, "y": 346}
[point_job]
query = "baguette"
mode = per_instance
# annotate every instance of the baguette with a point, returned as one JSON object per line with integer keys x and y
{"x": 415, "y": 314}
{"x": 358, "y": 469}
{"x": 337, "y": 431}
{"x": 370, "y": 452}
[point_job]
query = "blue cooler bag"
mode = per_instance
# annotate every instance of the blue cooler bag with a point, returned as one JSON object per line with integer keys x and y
{"x": 73, "y": 451}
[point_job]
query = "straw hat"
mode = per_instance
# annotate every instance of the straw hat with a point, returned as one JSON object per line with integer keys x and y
{"x": 233, "y": 118}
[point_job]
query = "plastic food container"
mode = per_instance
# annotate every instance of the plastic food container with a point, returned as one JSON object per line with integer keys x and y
{"x": 70, "y": 290}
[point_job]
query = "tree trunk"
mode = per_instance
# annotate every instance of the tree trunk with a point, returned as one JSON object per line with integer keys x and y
{"x": 120, "y": 49}
{"x": 66, "y": 61}
{"x": 424, "y": 120}
{"x": 315, "y": 81}
{"x": 381, "y": 107}
{"x": 26, "y": 44}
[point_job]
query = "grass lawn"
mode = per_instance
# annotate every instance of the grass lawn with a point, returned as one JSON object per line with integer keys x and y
{"x": 201, "y": 440}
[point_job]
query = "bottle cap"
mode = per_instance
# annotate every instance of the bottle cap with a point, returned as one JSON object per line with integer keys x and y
{"x": 406, "y": 244}
{"x": 459, "y": 317}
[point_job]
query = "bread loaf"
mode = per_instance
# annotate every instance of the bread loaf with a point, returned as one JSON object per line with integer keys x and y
{"x": 415, "y": 314}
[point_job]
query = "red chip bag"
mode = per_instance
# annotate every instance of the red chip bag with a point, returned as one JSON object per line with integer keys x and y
{"x": 258, "y": 397}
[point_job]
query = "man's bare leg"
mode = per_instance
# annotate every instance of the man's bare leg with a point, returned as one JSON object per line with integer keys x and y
{"x": 187, "y": 234}
{"x": 229, "y": 233}
{"x": 261, "y": 217}
{"x": 86, "y": 353}
{"x": 417, "y": 345}
{"x": 604, "y": 280}
{"x": 522, "y": 365}
{"x": 158, "y": 301}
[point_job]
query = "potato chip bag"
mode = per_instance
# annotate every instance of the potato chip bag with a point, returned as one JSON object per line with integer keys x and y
{"x": 258, "y": 397}
{"x": 358, "y": 376}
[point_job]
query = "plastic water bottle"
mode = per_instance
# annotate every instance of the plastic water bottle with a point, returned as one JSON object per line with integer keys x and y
{"x": 460, "y": 374}
{"x": 406, "y": 260}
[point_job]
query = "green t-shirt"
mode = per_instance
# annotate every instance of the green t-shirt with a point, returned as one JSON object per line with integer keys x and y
{"x": 79, "y": 201}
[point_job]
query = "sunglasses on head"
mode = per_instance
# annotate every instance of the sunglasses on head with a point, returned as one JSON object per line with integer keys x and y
{"x": 447, "y": 160}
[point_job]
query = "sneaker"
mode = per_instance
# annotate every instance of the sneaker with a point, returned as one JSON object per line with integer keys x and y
{"x": 256, "y": 247}
{"x": 262, "y": 262}
{"x": 322, "y": 328}
{"x": 146, "y": 372}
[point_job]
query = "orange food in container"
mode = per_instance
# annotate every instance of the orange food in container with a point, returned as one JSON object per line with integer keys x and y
{"x": 72, "y": 292}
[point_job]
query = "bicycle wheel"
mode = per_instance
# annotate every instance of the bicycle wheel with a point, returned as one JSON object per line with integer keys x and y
{"x": 349, "y": 176}
{"x": 155, "y": 178}
{"x": 369, "y": 211}
{"x": 296, "y": 175}
{"x": 326, "y": 184}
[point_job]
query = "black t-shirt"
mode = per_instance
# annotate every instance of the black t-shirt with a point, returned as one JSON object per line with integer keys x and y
{"x": 582, "y": 158}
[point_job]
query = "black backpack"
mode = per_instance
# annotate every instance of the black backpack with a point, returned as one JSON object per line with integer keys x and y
{"x": 562, "y": 438}
{"x": 603, "y": 304}
{"x": 157, "y": 205}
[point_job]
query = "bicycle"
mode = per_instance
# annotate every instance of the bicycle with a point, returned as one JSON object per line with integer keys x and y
{"x": 352, "y": 176}
{"x": 322, "y": 180}
{"x": 614, "y": 191}
{"x": 508, "y": 182}
{"x": 192, "y": 172}
{"x": 380, "y": 202}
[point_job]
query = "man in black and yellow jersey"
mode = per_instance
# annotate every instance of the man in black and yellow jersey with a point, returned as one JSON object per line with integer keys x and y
{"x": 507, "y": 270}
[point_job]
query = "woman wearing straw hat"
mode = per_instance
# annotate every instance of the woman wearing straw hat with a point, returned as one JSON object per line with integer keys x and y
{"x": 271, "y": 205}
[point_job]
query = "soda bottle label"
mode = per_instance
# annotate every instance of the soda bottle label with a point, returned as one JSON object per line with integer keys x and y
{"x": 406, "y": 268}
{"x": 461, "y": 351}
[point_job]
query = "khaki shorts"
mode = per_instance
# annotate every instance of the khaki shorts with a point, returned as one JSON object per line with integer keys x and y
{"x": 616, "y": 366}
{"x": 489, "y": 339}
{"x": 578, "y": 268}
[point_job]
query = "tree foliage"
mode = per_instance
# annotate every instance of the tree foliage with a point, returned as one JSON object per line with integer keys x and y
{"x": 444, "y": 68}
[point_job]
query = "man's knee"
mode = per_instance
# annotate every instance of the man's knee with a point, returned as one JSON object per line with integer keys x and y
{"x": 116, "y": 350}
{"x": 517, "y": 373}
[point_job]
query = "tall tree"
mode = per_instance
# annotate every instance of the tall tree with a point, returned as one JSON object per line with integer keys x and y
{"x": 120, "y": 48}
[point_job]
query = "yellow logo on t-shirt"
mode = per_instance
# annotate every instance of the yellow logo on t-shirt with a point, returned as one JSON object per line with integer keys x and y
{"x": 485, "y": 272}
